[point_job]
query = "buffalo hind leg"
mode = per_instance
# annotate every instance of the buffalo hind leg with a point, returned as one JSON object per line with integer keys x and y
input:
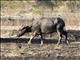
{"x": 59, "y": 34}
{"x": 32, "y": 36}
{"x": 65, "y": 34}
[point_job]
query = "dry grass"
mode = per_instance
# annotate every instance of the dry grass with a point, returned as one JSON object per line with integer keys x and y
{"x": 69, "y": 11}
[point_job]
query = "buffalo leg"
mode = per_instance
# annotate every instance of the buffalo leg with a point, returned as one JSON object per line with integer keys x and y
{"x": 65, "y": 34}
{"x": 32, "y": 36}
{"x": 41, "y": 39}
{"x": 59, "y": 34}
{"x": 22, "y": 32}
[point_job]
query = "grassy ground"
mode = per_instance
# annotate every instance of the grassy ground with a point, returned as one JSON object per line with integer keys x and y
{"x": 9, "y": 47}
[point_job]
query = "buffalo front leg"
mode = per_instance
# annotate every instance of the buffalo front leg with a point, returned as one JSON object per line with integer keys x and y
{"x": 22, "y": 32}
{"x": 32, "y": 36}
{"x": 41, "y": 40}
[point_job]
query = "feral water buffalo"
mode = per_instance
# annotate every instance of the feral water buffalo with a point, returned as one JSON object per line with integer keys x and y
{"x": 45, "y": 26}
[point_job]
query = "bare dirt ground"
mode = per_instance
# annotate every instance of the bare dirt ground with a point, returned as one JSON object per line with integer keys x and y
{"x": 49, "y": 51}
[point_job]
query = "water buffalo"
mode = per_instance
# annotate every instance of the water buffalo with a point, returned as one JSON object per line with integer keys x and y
{"x": 45, "y": 26}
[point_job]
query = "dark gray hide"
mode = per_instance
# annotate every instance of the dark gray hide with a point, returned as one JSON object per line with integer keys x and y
{"x": 45, "y": 26}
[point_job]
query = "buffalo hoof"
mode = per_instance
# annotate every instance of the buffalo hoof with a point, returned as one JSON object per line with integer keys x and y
{"x": 41, "y": 44}
{"x": 20, "y": 47}
{"x": 29, "y": 43}
{"x": 67, "y": 42}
